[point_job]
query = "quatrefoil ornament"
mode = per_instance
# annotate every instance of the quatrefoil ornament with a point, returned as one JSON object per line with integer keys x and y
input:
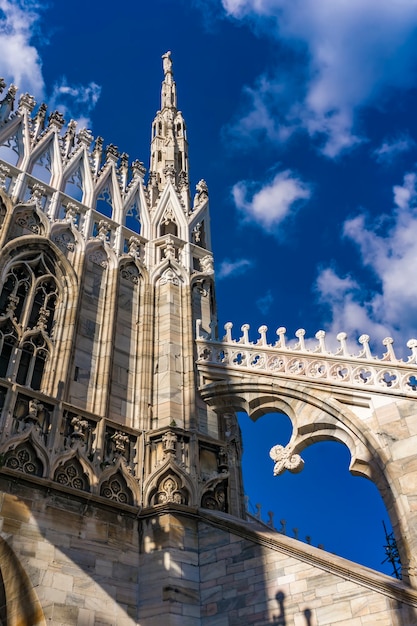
{"x": 285, "y": 459}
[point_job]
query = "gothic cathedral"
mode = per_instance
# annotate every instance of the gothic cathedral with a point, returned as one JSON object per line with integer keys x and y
{"x": 121, "y": 496}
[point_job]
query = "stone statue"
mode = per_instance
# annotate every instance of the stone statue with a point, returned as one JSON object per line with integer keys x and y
{"x": 167, "y": 62}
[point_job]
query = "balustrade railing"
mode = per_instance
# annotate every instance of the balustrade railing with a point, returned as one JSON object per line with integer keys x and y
{"x": 311, "y": 359}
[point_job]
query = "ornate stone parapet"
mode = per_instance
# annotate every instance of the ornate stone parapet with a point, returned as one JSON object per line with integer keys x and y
{"x": 312, "y": 361}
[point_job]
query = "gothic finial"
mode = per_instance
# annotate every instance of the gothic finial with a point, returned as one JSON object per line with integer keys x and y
{"x": 412, "y": 345}
{"x": 320, "y": 335}
{"x": 245, "y": 336}
{"x": 281, "y": 337}
{"x": 26, "y": 102}
{"x": 343, "y": 349}
{"x": 364, "y": 341}
{"x": 390, "y": 354}
{"x": 300, "y": 334}
{"x": 262, "y": 330}
{"x": 228, "y": 328}
{"x": 56, "y": 119}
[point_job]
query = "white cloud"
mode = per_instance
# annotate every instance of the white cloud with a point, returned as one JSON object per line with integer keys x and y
{"x": 391, "y": 148}
{"x": 75, "y": 101}
{"x": 233, "y": 268}
{"x": 388, "y": 247}
{"x": 20, "y": 61}
{"x": 354, "y": 53}
{"x": 269, "y": 205}
{"x": 265, "y": 302}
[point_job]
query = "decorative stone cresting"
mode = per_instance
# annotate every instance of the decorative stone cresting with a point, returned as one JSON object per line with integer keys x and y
{"x": 299, "y": 360}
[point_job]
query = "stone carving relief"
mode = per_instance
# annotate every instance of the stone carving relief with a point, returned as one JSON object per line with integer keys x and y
{"x": 206, "y": 264}
{"x": 169, "y": 276}
{"x": 28, "y": 220}
{"x": 65, "y": 241}
{"x": 169, "y": 249}
{"x": 130, "y": 272}
{"x": 120, "y": 447}
{"x": 135, "y": 247}
{"x": 169, "y": 442}
{"x": 4, "y": 174}
{"x": 216, "y": 499}
{"x": 201, "y": 193}
{"x": 79, "y": 430}
{"x": 169, "y": 491}
{"x": 24, "y": 459}
{"x": 285, "y": 459}
{"x": 71, "y": 474}
{"x": 98, "y": 257}
{"x": 116, "y": 489}
{"x": 120, "y": 441}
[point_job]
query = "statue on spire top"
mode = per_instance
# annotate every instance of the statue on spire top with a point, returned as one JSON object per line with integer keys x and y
{"x": 167, "y": 62}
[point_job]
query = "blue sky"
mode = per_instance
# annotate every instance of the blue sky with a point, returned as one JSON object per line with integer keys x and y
{"x": 301, "y": 117}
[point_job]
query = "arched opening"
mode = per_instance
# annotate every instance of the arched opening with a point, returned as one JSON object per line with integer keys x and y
{"x": 74, "y": 185}
{"x": 323, "y": 504}
{"x": 132, "y": 218}
{"x": 12, "y": 148}
{"x": 42, "y": 168}
{"x": 104, "y": 203}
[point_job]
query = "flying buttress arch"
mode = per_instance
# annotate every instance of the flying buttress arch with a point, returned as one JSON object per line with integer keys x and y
{"x": 317, "y": 416}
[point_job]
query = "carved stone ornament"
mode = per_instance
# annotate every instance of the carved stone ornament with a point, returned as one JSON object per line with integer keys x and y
{"x": 120, "y": 441}
{"x": 4, "y": 173}
{"x": 134, "y": 247}
{"x": 71, "y": 475}
{"x": 206, "y": 264}
{"x": 285, "y": 460}
{"x": 201, "y": 192}
{"x": 169, "y": 276}
{"x": 215, "y": 499}
{"x": 98, "y": 257}
{"x": 24, "y": 459}
{"x": 169, "y": 248}
{"x": 197, "y": 233}
{"x": 32, "y": 418}
{"x": 169, "y": 441}
{"x": 169, "y": 492}
{"x": 43, "y": 318}
{"x": 30, "y": 221}
{"x": 79, "y": 429}
{"x": 131, "y": 273}
{"x": 116, "y": 489}
{"x": 37, "y": 193}
{"x": 65, "y": 242}
{"x": 103, "y": 230}
{"x": 71, "y": 211}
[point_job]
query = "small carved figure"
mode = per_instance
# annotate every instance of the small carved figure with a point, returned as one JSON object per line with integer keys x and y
{"x": 79, "y": 428}
{"x": 169, "y": 441}
{"x": 120, "y": 441}
{"x": 32, "y": 417}
{"x": 206, "y": 263}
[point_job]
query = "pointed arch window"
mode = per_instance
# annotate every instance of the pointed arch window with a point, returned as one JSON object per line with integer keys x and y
{"x": 8, "y": 341}
{"x": 74, "y": 186}
{"x": 132, "y": 218}
{"x": 42, "y": 168}
{"x": 11, "y": 150}
{"x": 104, "y": 204}
{"x": 27, "y": 307}
{"x": 34, "y": 353}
